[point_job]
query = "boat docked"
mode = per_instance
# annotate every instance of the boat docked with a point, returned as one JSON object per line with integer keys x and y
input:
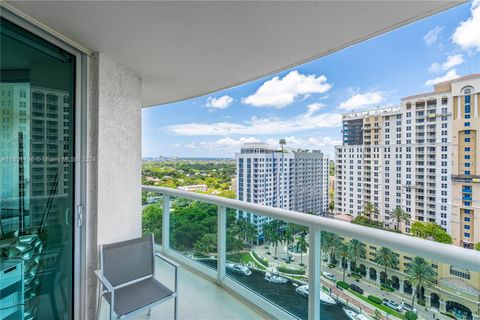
{"x": 350, "y": 313}
{"x": 239, "y": 269}
{"x": 275, "y": 278}
{"x": 324, "y": 297}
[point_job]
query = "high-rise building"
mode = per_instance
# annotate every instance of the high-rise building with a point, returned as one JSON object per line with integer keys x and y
{"x": 33, "y": 167}
{"x": 420, "y": 156}
{"x": 293, "y": 180}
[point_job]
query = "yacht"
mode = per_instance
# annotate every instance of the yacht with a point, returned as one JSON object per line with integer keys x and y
{"x": 350, "y": 313}
{"x": 275, "y": 278}
{"x": 353, "y": 315}
{"x": 324, "y": 297}
{"x": 239, "y": 269}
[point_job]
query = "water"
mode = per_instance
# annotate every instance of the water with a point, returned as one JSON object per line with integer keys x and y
{"x": 283, "y": 295}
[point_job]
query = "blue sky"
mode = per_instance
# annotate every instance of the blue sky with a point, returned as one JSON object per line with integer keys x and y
{"x": 304, "y": 104}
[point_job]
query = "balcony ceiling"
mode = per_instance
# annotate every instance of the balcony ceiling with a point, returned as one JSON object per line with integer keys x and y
{"x": 186, "y": 49}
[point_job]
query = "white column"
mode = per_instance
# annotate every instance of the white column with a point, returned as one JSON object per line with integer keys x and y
{"x": 221, "y": 242}
{"x": 166, "y": 223}
{"x": 475, "y": 105}
{"x": 314, "y": 286}
{"x": 459, "y": 108}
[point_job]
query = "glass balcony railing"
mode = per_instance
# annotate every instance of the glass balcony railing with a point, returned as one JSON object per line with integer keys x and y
{"x": 293, "y": 265}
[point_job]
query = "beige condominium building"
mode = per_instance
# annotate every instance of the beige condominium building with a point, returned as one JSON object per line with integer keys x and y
{"x": 421, "y": 156}
{"x": 465, "y": 218}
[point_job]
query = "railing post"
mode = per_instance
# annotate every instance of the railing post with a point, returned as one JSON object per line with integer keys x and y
{"x": 166, "y": 223}
{"x": 314, "y": 286}
{"x": 221, "y": 242}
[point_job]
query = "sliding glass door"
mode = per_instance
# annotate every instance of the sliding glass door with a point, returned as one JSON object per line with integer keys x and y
{"x": 36, "y": 176}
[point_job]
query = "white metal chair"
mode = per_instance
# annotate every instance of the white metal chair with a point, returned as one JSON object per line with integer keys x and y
{"x": 127, "y": 278}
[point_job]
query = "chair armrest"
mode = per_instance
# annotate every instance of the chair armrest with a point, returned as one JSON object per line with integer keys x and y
{"x": 104, "y": 280}
{"x": 167, "y": 260}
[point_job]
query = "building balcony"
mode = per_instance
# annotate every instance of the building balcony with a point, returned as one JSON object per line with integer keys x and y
{"x": 207, "y": 280}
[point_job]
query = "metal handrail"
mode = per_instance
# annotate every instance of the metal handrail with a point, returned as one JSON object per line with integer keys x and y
{"x": 445, "y": 253}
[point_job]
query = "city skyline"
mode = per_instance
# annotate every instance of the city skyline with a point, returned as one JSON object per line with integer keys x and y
{"x": 304, "y": 104}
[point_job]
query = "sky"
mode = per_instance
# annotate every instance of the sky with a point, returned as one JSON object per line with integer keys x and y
{"x": 304, "y": 104}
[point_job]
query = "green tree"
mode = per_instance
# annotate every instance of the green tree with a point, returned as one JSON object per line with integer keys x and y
{"x": 329, "y": 242}
{"x": 282, "y": 143}
{"x": 420, "y": 274}
{"x": 398, "y": 215}
{"x": 344, "y": 254}
{"x": 152, "y": 221}
{"x": 386, "y": 258}
{"x": 276, "y": 237}
{"x": 477, "y": 246}
{"x": 368, "y": 210}
{"x": 268, "y": 235}
{"x": 288, "y": 238}
{"x": 206, "y": 244}
{"x": 358, "y": 251}
{"x": 302, "y": 246}
{"x": 430, "y": 230}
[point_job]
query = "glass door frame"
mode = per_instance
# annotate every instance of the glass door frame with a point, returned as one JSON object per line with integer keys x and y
{"x": 78, "y": 217}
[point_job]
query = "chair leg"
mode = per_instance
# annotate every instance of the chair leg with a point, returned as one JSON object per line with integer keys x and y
{"x": 99, "y": 302}
{"x": 149, "y": 311}
{"x": 175, "y": 308}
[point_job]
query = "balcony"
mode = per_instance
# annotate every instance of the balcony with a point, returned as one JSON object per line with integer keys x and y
{"x": 277, "y": 300}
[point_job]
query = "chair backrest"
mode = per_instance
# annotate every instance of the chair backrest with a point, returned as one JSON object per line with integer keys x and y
{"x": 126, "y": 261}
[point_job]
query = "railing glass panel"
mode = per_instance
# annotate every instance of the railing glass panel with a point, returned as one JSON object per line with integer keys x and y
{"x": 193, "y": 230}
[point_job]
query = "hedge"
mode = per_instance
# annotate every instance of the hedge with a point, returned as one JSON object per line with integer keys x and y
{"x": 387, "y": 288}
{"x": 448, "y": 314}
{"x": 421, "y": 302}
{"x": 262, "y": 260}
{"x": 343, "y": 285}
{"x": 375, "y": 299}
{"x": 410, "y": 315}
{"x": 285, "y": 269}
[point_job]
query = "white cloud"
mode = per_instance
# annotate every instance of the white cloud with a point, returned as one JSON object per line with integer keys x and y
{"x": 467, "y": 34}
{"x": 306, "y": 121}
{"x": 432, "y": 36}
{"x": 451, "y": 62}
{"x": 307, "y": 143}
{"x": 361, "y": 100}
{"x": 229, "y": 144}
{"x": 190, "y": 145}
{"x": 222, "y": 102}
{"x": 450, "y": 75}
{"x": 280, "y": 92}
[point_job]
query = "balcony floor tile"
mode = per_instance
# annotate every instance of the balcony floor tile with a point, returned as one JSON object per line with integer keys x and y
{"x": 199, "y": 299}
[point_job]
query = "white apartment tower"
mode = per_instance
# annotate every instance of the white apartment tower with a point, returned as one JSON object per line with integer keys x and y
{"x": 404, "y": 156}
{"x": 293, "y": 180}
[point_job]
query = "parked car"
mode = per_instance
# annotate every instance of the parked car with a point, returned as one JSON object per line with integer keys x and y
{"x": 408, "y": 307}
{"x": 288, "y": 258}
{"x": 392, "y": 304}
{"x": 356, "y": 288}
{"x": 329, "y": 276}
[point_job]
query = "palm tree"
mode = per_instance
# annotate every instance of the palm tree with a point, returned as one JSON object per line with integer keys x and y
{"x": 344, "y": 253}
{"x": 358, "y": 251}
{"x": 272, "y": 232}
{"x": 250, "y": 233}
{"x": 398, "y": 215}
{"x": 420, "y": 274}
{"x": 288, "y": 238}
{"x": 329, "y": 242}
{"x": 282, "y": 143}
{"x": 302, "y": 246}
{"x": 387, "y": 258}
{"x": 368, "y": 209}
{"x": 268, "y": 235}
